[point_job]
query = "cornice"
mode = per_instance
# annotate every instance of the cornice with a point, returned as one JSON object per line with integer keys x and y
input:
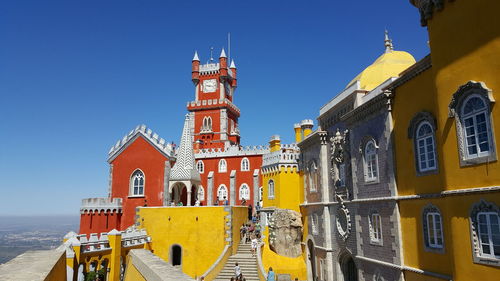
{"x": 411, "y": 72}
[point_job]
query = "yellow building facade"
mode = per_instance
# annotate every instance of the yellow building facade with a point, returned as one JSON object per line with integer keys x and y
{"x": 446, "y": 129}
{"x": 283, "y": 189}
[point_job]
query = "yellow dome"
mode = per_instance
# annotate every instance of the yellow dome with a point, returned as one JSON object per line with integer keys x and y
{"x": 389, "y": 64}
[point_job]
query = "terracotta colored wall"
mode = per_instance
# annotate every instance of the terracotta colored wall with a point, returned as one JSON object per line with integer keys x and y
{"x": 140, "y": 154}
{"x": 233, "y": 163}
{"x": 99, "y": 224}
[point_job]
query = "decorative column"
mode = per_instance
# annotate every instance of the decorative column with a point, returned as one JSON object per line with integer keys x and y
{"x": 324, "y": 159}
{"x": 166, "y": 193}
{"x": 210, "y": 183}
{"x": 232, "y": 188}
{"x": 115, "y": 242}
{"x": 256, "y": 187}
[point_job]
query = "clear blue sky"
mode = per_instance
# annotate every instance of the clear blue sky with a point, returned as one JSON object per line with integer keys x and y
{"x": 76, "y": 76}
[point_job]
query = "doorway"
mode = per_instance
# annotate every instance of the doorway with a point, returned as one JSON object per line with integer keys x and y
{"x": 176, "y": 255}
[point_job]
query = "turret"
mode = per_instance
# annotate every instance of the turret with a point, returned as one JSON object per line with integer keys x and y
{"x": 275, "y": 143}
{"x": 306, "y": 126}
{"x": 298, "y": 133}
{"x": 223, "y": 63}
{"x": 234, "y": 82}
{"x": 195, "y": 69}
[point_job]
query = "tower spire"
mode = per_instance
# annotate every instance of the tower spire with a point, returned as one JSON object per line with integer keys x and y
{"x": 223, "y": 53}
{"x": 388, "y": 42}
{"x": 196, "y": 58}
{"x": 211, "y": 54}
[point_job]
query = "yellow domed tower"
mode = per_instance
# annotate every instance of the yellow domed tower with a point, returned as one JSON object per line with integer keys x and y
{"x": 390, "y": 64}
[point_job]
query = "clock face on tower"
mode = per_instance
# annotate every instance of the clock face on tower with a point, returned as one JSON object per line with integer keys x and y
{"x": 209, "y": 86}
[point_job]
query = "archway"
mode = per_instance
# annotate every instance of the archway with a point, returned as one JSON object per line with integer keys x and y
{"x": 176, "y": 255}
{"x": 311, "y": 259}
{"x": 348, "y": 269}
{"x": 179, "y": 194}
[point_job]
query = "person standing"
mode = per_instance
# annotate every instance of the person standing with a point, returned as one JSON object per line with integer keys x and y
{"x": 270, "y": 275}
{"x": 237, "y": 271}
{"x": 254, "y": 245}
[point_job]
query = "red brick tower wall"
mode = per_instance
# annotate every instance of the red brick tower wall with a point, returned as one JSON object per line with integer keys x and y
{"x": 140, "y": 154}
{"x": 100, "y": 221}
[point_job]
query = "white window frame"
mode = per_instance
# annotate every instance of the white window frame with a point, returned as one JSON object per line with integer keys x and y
{"x": 137, "y": 173}
{"x": 207, "y": 124}
{"x": 370, "y": 162}
{"x": 241, "y": 193}
{"x": 489, "y": 234}
{"x": 200, "y": 166}
{"x": 314, "y": 224}
{"x": 473, "y": 115}
{"x": 313, "y": 174}
{"x": 422, "y": 153}
{"x": 220, "y": 196}
{"x": 201, "y": 193}
{"x": 222, "y": 166}
{"x": 375, "y": 222}
{"x": 245, "y": 164}
{"x": 270, "y": 189}
{"x": 434, "y": 233}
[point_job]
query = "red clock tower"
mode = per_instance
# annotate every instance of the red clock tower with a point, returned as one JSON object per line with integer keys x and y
{"x": 215, "y": 116}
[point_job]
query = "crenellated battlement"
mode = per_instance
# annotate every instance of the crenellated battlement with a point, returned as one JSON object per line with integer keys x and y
{"x": 151, "y": 136}
{"x": 215, "y": 103}
{"x": 96, "y": 205}
{"x": 98, "y": 243}
{"x": 231, "y": 151}
{"x": 287, "y": 156}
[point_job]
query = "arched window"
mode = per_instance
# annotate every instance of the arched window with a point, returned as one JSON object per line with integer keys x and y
{"x": 245, "y": 164}
{"x": 200, "y": 166}
{"x": 433, "y": 227}
{"x": 471, "y": 107}
{"x": 370, "y": 161}
{"x": 244, "y": 192}
{"x": 222, "y": 166}
{"x": 489, "y": 234}
{"x": 270, "y": 189}
{"x": 375, "y": 224}
{"x": 485, "y": 232}
{"x": 424, "y": 143}
{"x": 476, "y": 127}
{"x": 137, "y": 183}
{"x": 222, "y": 192}
{"x": 207, "y": 124}
{"x": 201, "y": 193}
{"x": 313, "y": 176}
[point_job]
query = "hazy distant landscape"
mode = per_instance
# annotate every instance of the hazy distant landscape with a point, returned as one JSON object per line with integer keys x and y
{"x": 19, "y": 234}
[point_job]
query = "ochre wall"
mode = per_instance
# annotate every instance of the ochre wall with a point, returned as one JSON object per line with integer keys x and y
{"x": 461, "y": 50}
{"x": 200, "y": 231}
{"x": 456, "y": 260}
{"x": 58, "y": 272}
{"x": 296, "y": 267}
{"x": 140, "y": 154}
{"x": 288, "y": 191}
{"x": 464, "y": 50}
{"x": 131, "y": 272}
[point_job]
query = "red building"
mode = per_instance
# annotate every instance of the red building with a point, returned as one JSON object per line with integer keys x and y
{"x": 213, "y": 166}
{"x": 227, "y": 170}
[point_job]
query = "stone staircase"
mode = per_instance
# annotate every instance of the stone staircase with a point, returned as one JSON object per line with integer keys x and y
{"x": 247, "y": 263}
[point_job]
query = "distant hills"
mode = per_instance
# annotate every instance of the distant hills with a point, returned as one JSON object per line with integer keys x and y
{"x": 19, "y": 234}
